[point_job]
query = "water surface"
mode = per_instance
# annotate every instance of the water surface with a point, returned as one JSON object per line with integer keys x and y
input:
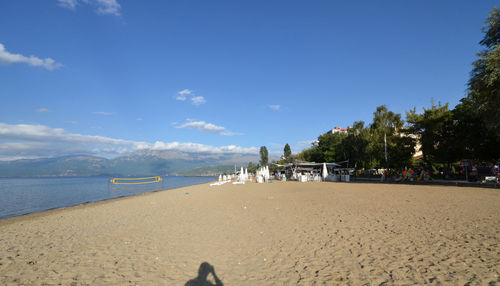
{"x": 23, "y": 196}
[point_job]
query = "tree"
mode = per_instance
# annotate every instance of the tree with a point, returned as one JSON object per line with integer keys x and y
{"x": 252, "y": 168}
{"x": 287, "y": 152}
{"x": 312, "y": 154}
{"x": 436, "y": 131}
{"x": 365, "y": 147}
{"x": 330, "y": 146}
{"x": 389, "y": 147}
{"x": 355, "y": 145}
{"x": 484, "y": 82}
{"x": 478, "y": 114}
{"x": 264, "y": 156}
{"x": 474, "y": 140}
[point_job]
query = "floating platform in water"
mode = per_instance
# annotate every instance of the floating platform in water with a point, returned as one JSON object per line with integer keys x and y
{"x": 136, "y": 181}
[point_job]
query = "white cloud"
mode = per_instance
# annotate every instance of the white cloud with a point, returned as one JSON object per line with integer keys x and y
{"x": 103, "y": 113}
{"x": 198, "y": 100}
{"x": 7, "y": 58}
{"x": 196, "y": 147}
{"x": 108, "y": 7}
{"x": 104, "y": 7}
{"x": 274, "y": 106}
{"x": 207, "y": 127}
{"x": 43, "y": 110}
{"x": 70, "y": 4}
{"x": 184, "y": 94}
{"x": 32, "y": 141}
{"x": 42, "y": 133}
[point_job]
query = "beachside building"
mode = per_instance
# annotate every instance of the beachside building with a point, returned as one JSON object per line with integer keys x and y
{"x": 418, "y": 147}
{"x": 337, "y": 129}
{"x": 418, "y": 154}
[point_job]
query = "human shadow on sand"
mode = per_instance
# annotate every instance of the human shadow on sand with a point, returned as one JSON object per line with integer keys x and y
{"x": 203, "y": 272}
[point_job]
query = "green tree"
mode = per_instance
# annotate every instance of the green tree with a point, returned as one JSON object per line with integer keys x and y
{"x": 312, "y": 154}
{"x": 355, "y": 145}
{"x": 478, "y": 115}
{"x": 387, "y": 132}
{"x": 287, "y": 153}
{"x": 436, "y": 132}
{"x": 484, "y": 83}
{"x": 330, "y": 147}
{"x": 474, "y": 140}
{"x": 252, "y": 168}
{"x": 365, "y": 147}
{"x": 264, "y": 156}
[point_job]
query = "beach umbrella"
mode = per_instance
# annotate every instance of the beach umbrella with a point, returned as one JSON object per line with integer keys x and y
{"x": 220, "y": 178}
{"x": 242, "y": 174}
{"x": 325, "y": 171}
{"x": 246, "y": 174}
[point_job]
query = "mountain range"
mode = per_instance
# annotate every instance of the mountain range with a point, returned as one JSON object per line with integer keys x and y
{"x": 139, "y": 163}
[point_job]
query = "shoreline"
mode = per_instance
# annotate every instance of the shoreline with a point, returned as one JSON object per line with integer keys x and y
{"x": 355, "y": 181}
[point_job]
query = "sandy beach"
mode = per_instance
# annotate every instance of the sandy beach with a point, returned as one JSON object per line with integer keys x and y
{"x": 263, "y": 234}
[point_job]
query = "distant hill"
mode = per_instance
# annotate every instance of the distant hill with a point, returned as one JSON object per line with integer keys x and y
{"x": 140, "y": 163}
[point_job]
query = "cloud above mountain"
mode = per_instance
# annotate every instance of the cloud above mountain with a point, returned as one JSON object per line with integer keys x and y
{"x": 32, "y": 141}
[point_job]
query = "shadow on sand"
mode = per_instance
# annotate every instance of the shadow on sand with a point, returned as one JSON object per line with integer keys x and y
{"x": 203, "y": 272}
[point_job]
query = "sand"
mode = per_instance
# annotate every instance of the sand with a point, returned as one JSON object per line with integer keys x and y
{"x": 263, "y": 234}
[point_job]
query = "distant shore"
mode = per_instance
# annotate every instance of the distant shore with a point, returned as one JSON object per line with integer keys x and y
{"x": 101, "y": 176}
{"x": 262, "y": 234}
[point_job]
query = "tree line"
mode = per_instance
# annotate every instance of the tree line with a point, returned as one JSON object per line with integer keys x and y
{"x": 471, "y": 130}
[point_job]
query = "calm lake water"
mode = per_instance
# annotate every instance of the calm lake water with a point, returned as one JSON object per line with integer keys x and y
{"x": 23, "y": 196}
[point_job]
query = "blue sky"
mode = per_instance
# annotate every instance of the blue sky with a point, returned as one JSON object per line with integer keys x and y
{"x": 110, "y": 76}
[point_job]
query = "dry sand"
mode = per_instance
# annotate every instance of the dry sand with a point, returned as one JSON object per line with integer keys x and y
{"x": 263, "y": 234}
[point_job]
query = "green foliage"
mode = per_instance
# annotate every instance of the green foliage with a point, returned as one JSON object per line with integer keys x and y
{"x": 474, "y": 138}
{"x": 356, "y": 144}
{"x": 364, "y": 147}
{"x": 252, "y": 168}
{"x": 310, "y": 155}
{"x": 484, "y": 83}
{"x": 387, "y": 127}
{"x": 287, "y": 152}
{"x": 264, "y": 156}
{"x": 436, "y": 129}
{"x": 471, "y": 130}
{"x": 330, "y": 147}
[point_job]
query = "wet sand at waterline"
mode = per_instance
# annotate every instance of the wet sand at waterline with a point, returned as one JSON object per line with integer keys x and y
{"x": 263, "y": 234}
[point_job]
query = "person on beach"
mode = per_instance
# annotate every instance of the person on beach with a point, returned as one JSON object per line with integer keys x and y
{"x": 201, "y": 280}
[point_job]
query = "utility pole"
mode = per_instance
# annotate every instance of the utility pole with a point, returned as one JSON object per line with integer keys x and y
{"x": 385, "y": 149}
